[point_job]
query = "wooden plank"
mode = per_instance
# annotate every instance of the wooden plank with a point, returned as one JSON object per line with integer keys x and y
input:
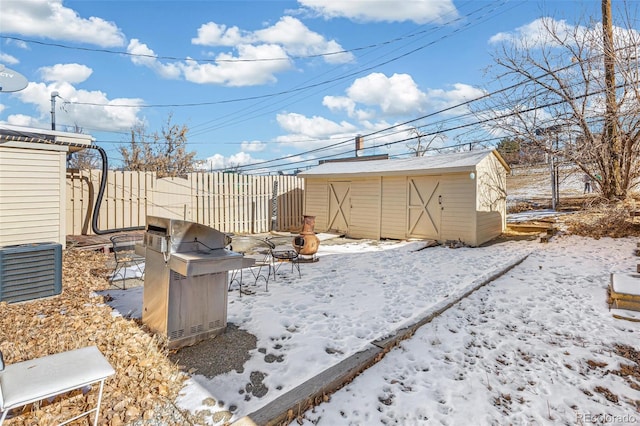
{"x": 228, "y": 202}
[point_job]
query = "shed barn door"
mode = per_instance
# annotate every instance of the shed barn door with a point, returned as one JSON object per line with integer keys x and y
{"x": 423, "y": 207}
{"x": 339, "y": 206}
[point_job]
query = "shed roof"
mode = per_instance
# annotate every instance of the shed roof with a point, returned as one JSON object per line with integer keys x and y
{"x": 432, "y": 164}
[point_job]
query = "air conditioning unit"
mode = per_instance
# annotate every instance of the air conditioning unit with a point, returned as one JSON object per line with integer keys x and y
{"x": 30, "y": 271}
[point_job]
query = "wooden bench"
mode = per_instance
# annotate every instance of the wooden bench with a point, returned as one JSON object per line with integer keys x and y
{"x": 30, "y": 381}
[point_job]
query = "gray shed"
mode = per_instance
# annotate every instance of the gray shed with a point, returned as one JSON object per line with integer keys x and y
{"x": 459, "y": 196}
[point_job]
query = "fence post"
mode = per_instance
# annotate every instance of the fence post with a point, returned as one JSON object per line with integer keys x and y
{"x": 274, "y": 206}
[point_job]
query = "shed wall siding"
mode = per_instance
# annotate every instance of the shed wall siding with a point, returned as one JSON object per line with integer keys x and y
{"x": 316, "y": 202}
{"x": 32, "y": 196}
{"x": 458, "y": 214}
{"x": 491, "y": 201}
{"x": 489, "y": 226}
{"x": 473, "y": 210}
{"x": 365, "y": 208}
{"x": 393, "y": 214}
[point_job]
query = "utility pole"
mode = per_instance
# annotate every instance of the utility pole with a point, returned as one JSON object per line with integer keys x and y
{"x": 611, "y": 132}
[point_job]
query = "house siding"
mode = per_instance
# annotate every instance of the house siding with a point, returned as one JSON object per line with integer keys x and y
{"x": 32, "y": 195}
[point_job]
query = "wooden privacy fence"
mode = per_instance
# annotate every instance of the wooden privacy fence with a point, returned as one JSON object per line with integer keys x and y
{"x": 233, "y": 203}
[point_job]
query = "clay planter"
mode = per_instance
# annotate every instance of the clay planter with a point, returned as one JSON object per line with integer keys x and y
{"x": 307, "y": 242}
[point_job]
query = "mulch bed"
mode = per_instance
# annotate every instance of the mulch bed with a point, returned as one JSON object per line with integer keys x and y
{"x": 146, "y": 382}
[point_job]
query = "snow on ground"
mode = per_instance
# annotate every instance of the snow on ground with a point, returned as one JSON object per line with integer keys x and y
{"x": 515, "y": 351}
{"x": 354, "y": 294}
{"x": 530, "y": 184}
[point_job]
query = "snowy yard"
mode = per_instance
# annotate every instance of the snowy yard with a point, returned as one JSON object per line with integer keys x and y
{"x": 532, "y": 347}
{"x": 536, "y": 346}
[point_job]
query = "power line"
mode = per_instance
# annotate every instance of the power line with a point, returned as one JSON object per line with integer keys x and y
{"x": 284, "y": 92}
{"x": 461, "y": 126}
{"x": 209, "y": 60}
{"x": 490, "y": 11}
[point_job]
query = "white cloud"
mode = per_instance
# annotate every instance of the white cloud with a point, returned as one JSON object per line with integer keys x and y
{"x": 97, "y": 111}
{"x": 49, "y": 18}
{"x": 220, "y": 162}
{"x": 248, "y": 64}
{"x": 215, "y": 162}
{"x": 240, "y": 159}
{"x": 298, "y": 40}
{"x": 212, "y": 34}
{"x": 340, "y": 103}
{"x": 289, "y": 33}
{"x": 246, "y": 69}
{"x": 147, "y": 57}
{"x": 25, "y": 121}
{"x": 439, "y": 99}
{"x": 418, "y": 11}
{"x": 5, "y": 58}
{"x": 313, "y": 127}
{"x": 70, "y": 73}
{"x": 249, "y": 71}
{"x": 18, "y": 43}
{"x": 395, "y": 95}
{"x": 253, "y": 146}
{"x": 377, "y": 95}
{"x": 535, "y": 34}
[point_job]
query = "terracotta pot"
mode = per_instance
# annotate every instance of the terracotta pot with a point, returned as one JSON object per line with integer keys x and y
{"x": 307, "y": 242}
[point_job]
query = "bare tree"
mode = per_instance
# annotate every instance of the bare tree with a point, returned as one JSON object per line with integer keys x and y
{"x": 165, "y": 153}
{"x": 85, "y": 159}
{"x": 424, "y": 140}
{"x": 556, "y": 97}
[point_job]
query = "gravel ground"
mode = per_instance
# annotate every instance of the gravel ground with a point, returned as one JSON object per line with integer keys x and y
{"x": 217, "y": 355}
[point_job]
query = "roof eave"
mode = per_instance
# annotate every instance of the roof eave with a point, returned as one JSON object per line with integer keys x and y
{"x": 424, "y": 172}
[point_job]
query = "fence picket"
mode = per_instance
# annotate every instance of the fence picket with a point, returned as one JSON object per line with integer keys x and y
{"x": 228, "y": 202}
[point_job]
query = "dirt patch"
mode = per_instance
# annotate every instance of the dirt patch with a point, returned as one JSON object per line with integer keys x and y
{"x": 615, "y": 220}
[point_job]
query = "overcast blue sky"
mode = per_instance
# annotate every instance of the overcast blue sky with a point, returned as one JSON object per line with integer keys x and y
{"x": 259, "y": 80}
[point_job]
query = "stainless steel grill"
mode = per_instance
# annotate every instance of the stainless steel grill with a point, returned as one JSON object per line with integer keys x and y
{"x": 186, "y": 275}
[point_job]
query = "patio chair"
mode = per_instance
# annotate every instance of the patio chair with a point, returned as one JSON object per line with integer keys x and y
{"x": 279, "y": 257}
{"x": 129, "y": 265}
{"x": 256, "y": 260}
{"x": 264, "y": 259}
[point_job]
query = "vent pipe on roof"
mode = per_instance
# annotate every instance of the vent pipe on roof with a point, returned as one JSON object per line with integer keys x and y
{"x": 359, "y": 145}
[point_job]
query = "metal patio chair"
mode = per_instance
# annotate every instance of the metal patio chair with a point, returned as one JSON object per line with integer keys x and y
{"x": 278, "y": 257}
{"x": 129, "y": 265}
{"x": 256, "y": 254}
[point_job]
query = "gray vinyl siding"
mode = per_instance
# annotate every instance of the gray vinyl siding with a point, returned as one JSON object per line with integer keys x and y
{"x": 394, "y": 207}
{"x": 32, "y": 195}
{"x": 316, "y": 202}
{"x": 365, "y": 208}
